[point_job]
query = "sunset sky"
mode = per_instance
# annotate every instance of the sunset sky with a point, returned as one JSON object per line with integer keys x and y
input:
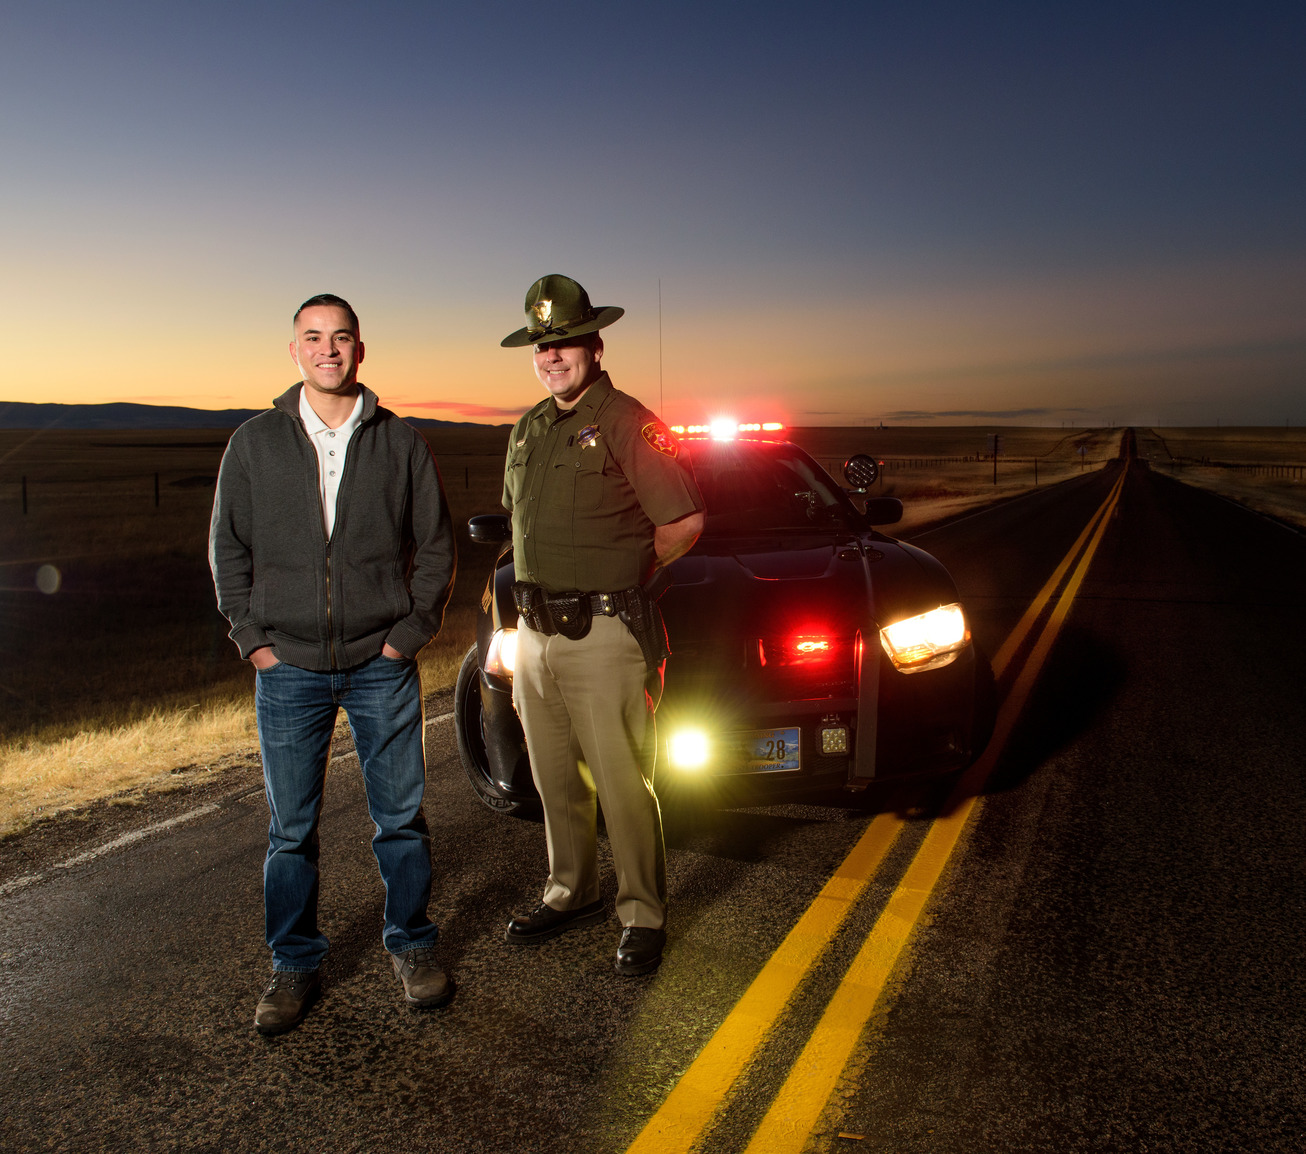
{"x": 948, "y": 213}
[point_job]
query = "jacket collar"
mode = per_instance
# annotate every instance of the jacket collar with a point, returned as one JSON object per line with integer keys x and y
{"x": 288, "y": 402}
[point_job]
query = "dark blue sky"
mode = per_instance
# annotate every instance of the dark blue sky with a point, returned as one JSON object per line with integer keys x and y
{"x": 855, "y": 211}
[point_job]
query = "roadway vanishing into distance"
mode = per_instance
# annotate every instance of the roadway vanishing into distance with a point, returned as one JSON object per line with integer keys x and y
{"x": 1096, "y": 944}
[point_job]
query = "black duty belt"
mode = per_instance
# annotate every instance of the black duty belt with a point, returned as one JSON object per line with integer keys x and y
{"x": 570, "y": 614}
{"x": 566, "y": 613}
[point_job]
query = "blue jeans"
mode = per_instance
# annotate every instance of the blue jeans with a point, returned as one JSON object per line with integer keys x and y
{"x": 296, "y": 717}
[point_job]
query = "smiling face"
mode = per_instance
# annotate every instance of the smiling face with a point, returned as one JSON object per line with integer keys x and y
{"x": 568, "y": 367}
{"x": 327, "y": 350}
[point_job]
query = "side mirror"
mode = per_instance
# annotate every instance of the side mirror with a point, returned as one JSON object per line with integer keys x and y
{"x": 490, "y": 529}
{"x": 860, "y": 471}
{"x": 883, "y": 510}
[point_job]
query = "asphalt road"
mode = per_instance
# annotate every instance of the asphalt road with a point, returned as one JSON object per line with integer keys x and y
{"x": 1111, "y": 962}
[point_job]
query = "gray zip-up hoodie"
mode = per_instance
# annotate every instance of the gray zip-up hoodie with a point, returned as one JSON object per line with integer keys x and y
{"x": 387, "y": 570}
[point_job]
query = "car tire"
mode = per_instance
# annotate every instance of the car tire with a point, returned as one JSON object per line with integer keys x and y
{"x": 469, "y": 722}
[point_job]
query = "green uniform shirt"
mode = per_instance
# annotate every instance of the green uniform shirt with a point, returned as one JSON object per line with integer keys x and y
{"x": 585, "y": 488}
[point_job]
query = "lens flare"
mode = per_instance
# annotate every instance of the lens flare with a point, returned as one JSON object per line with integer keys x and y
{"x": 688, "y": 749}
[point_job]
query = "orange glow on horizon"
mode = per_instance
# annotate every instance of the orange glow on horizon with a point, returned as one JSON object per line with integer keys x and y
{"x": 977, "y": 353}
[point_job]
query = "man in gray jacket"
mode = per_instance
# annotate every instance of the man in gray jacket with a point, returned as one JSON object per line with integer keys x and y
{"x": 333, "y": 557}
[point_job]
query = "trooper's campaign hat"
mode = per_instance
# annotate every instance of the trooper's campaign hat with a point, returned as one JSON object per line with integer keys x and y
{"x": 557, "y": 308}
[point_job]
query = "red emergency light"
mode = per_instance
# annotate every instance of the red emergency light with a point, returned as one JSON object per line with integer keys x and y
{"x": 727, "y": 428}
{"x": 807, "y": 648}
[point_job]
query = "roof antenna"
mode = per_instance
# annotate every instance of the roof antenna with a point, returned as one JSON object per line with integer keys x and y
{"x": 661, "y": 408}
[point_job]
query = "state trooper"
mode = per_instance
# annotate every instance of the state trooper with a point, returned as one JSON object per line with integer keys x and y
{"x": 601, "y": 501}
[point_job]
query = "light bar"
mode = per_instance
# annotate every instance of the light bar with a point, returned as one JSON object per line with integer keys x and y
{"x": 725, "y": 429}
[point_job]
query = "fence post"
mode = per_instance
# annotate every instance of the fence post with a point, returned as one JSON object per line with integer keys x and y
{"x": 156, "y": 490}
{"x": 24, "y": 496}
{"x": 1036, "y": 470}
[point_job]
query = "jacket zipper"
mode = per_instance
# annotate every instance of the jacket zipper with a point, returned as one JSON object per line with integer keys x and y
{"x": 331, "y": 633}
{"x": 321, "y": 520}
{"x": 326, "y": 540}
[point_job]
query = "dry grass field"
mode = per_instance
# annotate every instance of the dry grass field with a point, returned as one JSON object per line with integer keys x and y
{"x": 1262, "y": 468}
{"x": 132, "y": 623}
{"x": 116, "y": 667}
{"x": 941, "y": 472}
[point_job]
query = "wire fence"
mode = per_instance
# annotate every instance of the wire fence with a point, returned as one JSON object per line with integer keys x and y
{"x": 152, "y": 488}
{"x": 32, "y": 491}
{"x": 984, "y": 467}
{"x": 1284, "y": 471}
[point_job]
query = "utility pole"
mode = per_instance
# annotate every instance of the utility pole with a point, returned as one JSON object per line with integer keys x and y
{"x": 661, "y": 399}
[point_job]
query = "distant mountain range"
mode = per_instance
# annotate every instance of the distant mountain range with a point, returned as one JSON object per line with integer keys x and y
{"x": 21, "y": 415}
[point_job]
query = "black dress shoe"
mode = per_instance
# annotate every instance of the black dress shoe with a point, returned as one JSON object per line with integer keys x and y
{"x": 640, "y": 950}
{"x": 544, "y": 922}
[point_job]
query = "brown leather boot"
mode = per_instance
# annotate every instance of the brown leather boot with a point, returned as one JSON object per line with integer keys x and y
{"x": 286, "y": 1001}
{"x": 426, "y": 985}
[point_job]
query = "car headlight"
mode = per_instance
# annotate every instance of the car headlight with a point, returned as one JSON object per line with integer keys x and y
{"x": 927, "y": 640}
{"x": 501, "y": 656}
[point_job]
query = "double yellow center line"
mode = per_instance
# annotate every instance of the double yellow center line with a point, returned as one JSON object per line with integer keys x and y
{"x": 688, "y": 1112}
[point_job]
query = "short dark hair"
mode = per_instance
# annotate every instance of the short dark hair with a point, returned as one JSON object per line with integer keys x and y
{"x": 332, "y": 300}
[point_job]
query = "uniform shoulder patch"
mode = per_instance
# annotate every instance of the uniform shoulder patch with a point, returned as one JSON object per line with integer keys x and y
{"x": 661, "y": 438}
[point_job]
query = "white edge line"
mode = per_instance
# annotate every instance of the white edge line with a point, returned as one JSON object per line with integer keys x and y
{"x": 137, "y": 835}
{"x": 957, "y": 520}
{"x": 1270, "y": 517}
{"x": 117, "y": 843}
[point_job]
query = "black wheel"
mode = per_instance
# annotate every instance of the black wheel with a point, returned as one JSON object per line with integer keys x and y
{"x": 469, "y": 722}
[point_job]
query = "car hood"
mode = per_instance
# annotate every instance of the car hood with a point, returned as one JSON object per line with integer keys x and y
{"x": 755, "y": 586}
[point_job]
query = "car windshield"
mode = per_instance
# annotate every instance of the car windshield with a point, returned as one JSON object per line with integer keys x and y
{"x": 752, "y": 486}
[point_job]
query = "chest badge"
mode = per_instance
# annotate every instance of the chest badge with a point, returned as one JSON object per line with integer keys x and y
{"x": 661, "y": 438}
{"x": 588, "y": 436}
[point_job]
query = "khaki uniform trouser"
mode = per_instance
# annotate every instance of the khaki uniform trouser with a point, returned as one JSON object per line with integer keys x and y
{"x": 588, "y": 718}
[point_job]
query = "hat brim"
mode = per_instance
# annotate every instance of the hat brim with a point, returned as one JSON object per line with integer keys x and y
{"x": 601, "y": 319}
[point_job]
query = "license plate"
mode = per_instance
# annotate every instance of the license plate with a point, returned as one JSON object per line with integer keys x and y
{"x": 769, "y": 750}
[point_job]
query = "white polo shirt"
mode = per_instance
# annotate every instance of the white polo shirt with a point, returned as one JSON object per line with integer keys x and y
{"x": 330, "y": 445}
